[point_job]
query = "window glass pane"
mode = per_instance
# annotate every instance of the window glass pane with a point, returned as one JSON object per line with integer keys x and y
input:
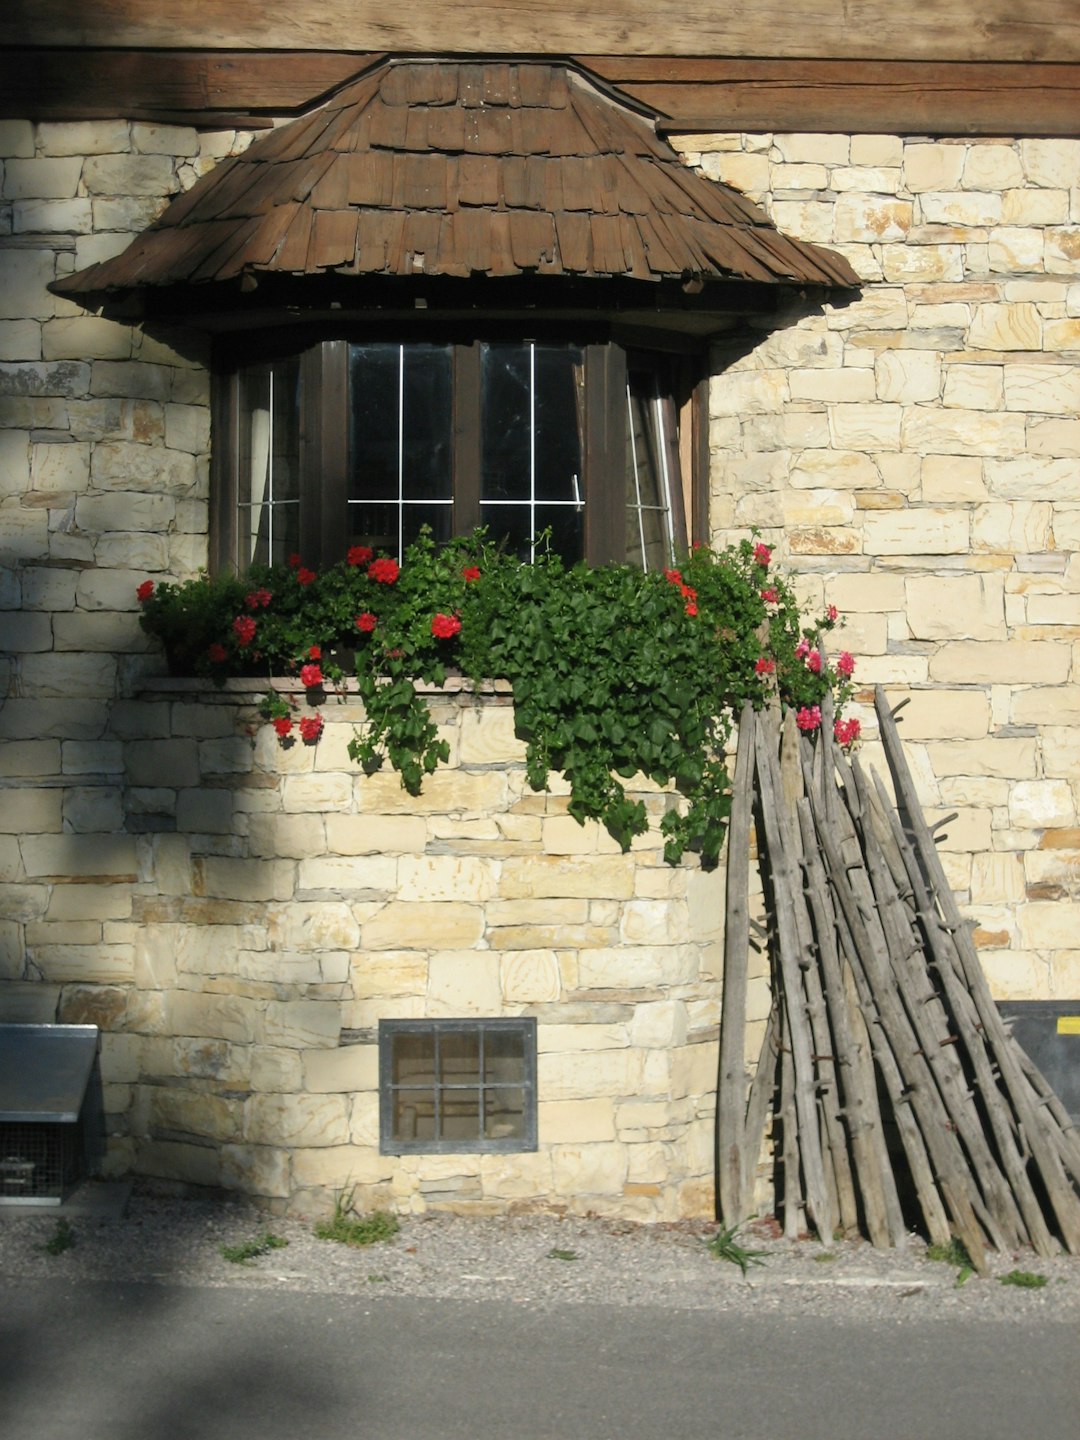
{"x": 414, "y": 1114}
{"x": 459, "y": 1057}
{"x": 413, "y": 1059}
{"x": 505, "y": 419}
{"x": 400, "y": 443}
{"x": 269, "y": 462}
{"x": 559, "y": 421}
{"x": 504, "y": 1112}
{"x": 504, "y": 1056}
{"x": 649, "y": 481}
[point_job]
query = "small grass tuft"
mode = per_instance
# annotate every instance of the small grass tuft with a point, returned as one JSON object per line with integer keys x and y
{"x": 725, "y": 1246}
{"x": 63, "y": 1238}
{"x": 1025, "y": 1279}
{"x": 348, "y": 1228}
{"x": 562, "y": 1255}
{"x": 249, "y": 1250}
{"x": 825, "y": 1257}
{"x": 954, "y": 1253}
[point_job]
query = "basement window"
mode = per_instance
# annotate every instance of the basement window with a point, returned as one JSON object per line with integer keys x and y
{"x": 457, "y": 1086}
{"x": 365, "y": 441}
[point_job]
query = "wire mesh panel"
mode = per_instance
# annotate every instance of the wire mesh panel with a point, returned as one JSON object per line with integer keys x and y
{"x": 51, "y": 1123}
{"x": 39, "y": 1161}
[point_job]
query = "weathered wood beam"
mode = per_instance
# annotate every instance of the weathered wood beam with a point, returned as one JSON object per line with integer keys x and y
{"x": 208, "y": 87}
{"x": 873, "y": 29}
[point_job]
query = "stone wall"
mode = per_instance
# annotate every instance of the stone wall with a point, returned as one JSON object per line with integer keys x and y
{"x": 225, "y": 910}
{"x": 915, "y": 457}
{"x": 238, "y": 916}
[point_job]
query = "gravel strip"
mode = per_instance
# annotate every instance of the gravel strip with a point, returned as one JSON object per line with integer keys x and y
{"x": 539, "y": 1260}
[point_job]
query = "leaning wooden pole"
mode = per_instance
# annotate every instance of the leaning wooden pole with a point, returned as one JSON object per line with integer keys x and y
{"x": 731, "y": 1092}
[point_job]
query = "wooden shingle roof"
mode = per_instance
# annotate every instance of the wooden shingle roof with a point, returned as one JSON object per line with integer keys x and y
{"x": 453, "y": 168}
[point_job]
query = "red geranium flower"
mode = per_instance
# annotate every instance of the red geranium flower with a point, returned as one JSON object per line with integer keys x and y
{"x": 244, "y": 629}
{"x": 294, "y": 561}
{"x": 315, "y": 653}
{"x": 384, "y": 571}
{"x": 311, "y": 676}
{"x": 847, "y": 731}
{"x": 311, "y": 727}
{"x": 283, "y": 725}
{"x": 673, "y": 577}
{"x": 359, "y": 554}
{"x": 845, "y": 664}
{"x": 258, "y": 598}
{"x": 445, "y": 627}
{"x": 216, "y": 653}
{"x": 366, "y": 622}
{"x": 832, "y": 613}
{"x": 765, "y": 666}
{"x": 771, "y": 597}
{"x": 145, "y": 590}
{"x": 762, "y": 554}
{"x": 691, "y": 608}
{"x": 809, "y": 717}
{"x": 304, "y": 577}
{"x": 471, "y": 573}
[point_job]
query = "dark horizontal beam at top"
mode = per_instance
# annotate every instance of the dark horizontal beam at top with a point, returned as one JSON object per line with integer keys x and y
{"x": 225, "y": 89}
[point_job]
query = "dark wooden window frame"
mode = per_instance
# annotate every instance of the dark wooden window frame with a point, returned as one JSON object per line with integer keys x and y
{"x": 394, "y": 1144}
{"x": 324, "y": 460}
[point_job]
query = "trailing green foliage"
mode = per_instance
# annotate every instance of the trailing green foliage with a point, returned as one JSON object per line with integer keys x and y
{"x": 615, "y": 673}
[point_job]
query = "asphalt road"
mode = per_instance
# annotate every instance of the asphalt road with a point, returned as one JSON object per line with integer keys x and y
{"x": 102, "y": 1361}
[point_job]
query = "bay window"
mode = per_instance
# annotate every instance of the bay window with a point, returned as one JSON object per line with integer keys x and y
{"x": 351, "y": 441}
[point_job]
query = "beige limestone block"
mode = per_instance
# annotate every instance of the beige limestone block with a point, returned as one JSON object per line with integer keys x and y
{"x": 212, "y": 949}
{"x": 364, "y": 1119}
{"x": 1066, "y": 529}
{"x": 997, "y": 879}
{"x": 419, "y": 925}
{"x": 517, "y": 1177}
{"x": 389, "y": 973}
{"x": 223, "y": 878}
{"x": 375, "y": 834}
{"x": 1047, "y": 389}
{"x": 798, "y": 177}
{"x": 126, "y": 465}
{"x": 958, "y": 208}
{"x": 812, "y": 220}
{"x": 840, "y": 384}
{"x": 865, "y": 427}
{"x": 1065, "y": 974}
{"x": 301, "y": 794}
{"x": 1006, "y": 327}
{"x": 760, "y": 392}
{"x": 348, "y": 873}
{"x": 654, "y": 922}
{"x": 529, "y": 977}
{"x": 877, "y": 150}
{"x": 907, "y": 376}
{"x": 627, "y": 967}
{"x": 487, "y": 737}
{"x": 1012, "y": 249}
{"x": 52, "y": 178}
{"x": 464, "y": 982}
{"x": 817, "y": 149}
{"x": 1062, "y": 334}
{"x": 1033, "y": 477}
{"x": 1049, "y": 925}
{"x": 659, "y": 1024}
{"x": 933, "y": 166}
{"x": 1037, "y": 804}
{"x": 446, "y": 792}
{"x": 256, "y": 1170}
{"x": 1054, "y": 610}
{"x": 825, "y": 540}
{"x": 748, "y": 173}
{"x": 1061, "y": 751}
{"x": 870, "y": 218}
{"x": 286, "y": 836}
{"x": 276, "y": 1069}
{"x": 564, "y": 1035}
{"x": 942, "y": 714}
{"x": 468, "y": 879}
{"x": 346, "y": 1070}
{"x": 31, "y": 812}
{"x": 589, "y": 1169}
{"x": 922, "y": 263}
{"x": 79, "y": 855}
{"x": 307, "y": 1120}
{"x": 543, "y": 912}
{"x": 592, "y": 877}
{"x": 1017, "y": 528}
{"x": 288, "y": 967}
{"x": 973, "y": 387}
{"x": 962, "y": 432}
{"x": 587, "y": 1074}
{"x": 992, "y": 167}
{"x": 1007, "y": 757}
{"x": 1053, "y": 164}
{"x": 823, "y": 507}
{"x": 968, "y": 607}
{"x": 865, "y": 593}
{"x": 224, "y": 1017}
{"x": 1057, "y": 706}
{"x": 1052, "y": 874}
{"x": 921, "y": 530}
{"x": 313, "y": 925}
{"x": 271, "y": 756}
{"x": 835, "y": 469}
{"x": 693, "y": 1070}
{"x": 195, "y": 1113}
{"x": 301, "y": 1024}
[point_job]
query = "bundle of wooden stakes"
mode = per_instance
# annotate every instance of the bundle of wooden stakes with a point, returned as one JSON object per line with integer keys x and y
{"x": 891, "y": 1079}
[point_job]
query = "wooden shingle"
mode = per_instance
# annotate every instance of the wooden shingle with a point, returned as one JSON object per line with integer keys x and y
{"x": 462, "y": 168}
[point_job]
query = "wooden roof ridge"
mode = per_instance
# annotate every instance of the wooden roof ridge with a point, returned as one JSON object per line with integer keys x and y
{"x": 410, "y": 145}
